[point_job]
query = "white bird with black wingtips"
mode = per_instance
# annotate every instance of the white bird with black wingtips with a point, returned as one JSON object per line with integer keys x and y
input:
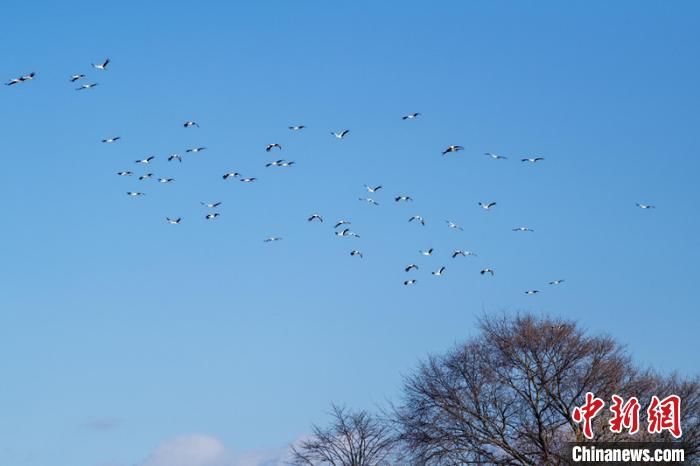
{"x": 173, "y": 221}
{"x": 194, "y": 150}
{"x": 411, "y": 116}
{"x": 269, "y": 147}
{"x": 211, "y": 216}
{"x": 341, "y": 135}
{"x": 452, "y": 149}
{"x": 135, "y": 193}
{"x": 439, "y": 272}
{"x": 21, "y": 79}
{"x": 487, "y": 205}
{"x": 146, "y": 161}
{"x": 211, "y": 205}
{"x": 85, "y": 87}
{"x": 418, "y": 218}
{"x": 487, "y": 270}
{"x": 369, "y": 200}
{"x": 410, "y": 267}
{"x": 557, "y": 282}
{"x": 403, "y": 198}
{"x": 496, "y": 156}
{"x": 523, "y": 229}
{"x": 410, "y": 282}
{"x": 646, "y": 206}
{"x": 461, "y": 252}
{"x": 111, "y": 140}
{"x": 228, "y": 175}
{"x": 427, "y": 252}
{"x": 101, "y": 66}
{"x": 190, "y": 124}
{"x": 453, "y": 225}
{"x": 175, "y": 157}
{"x": 355, "y": 252}
{"x": 313, "y": 217}
{"x": 532, "y": 159}
{"x": 297, "y": 127}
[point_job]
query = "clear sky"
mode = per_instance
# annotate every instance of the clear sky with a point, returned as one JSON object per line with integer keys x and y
{"x": 120, "y": 333}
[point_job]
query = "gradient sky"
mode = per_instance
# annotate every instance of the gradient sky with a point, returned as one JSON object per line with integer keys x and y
{"x": 120, "y": 333}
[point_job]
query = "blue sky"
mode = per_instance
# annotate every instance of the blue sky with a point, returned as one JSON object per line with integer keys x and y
{"x": 120, "y": 333}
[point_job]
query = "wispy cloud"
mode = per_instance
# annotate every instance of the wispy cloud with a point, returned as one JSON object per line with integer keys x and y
{"x": 101, "y": 424}
{"x": 207, "y": 450}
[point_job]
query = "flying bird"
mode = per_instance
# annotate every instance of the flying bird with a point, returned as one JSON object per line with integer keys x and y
{"x": 342, "y": 134}
{"x": 211, "y": 205}
{"x": 211, "y": 216}
{"x": 194, "y": 150}
{"x": 452, "y": 149}
{"x": 532, "y": 159}
{"x": 427, "y": 252}
{"x": 175, "y": 157}
{"x": 146, "y": 161}
{"x": 418, "y": 218}
{"x": 646, "y": 206}
{"x": 342, "y": 222}
{"x": 272, "y": 239}
{"x": 297, "y": 127}
{"x": 86, "y": 86}
{"x": 523, "y": 229}
{"x": 355, "y": 252}
{"x": 173, "y": 221}
{"x": 111, "y": 140}
{"x": 190, "y": 124}
{"x": 248, "y": 180}
{"x": 410, "y": 116}
{"x": 21, "y": 79}
{"x": 487, "y": 206}
{"x": 439, "y": 271}
{"x": 369, "y": 200}
{"x": 463, "y": 253}
{"x": 531, "y": 292}
{"x": 134, "y": 193}
{"x": 279, "y": 163}
{"x": 124, "y": 173}
{"x": 496, "y": 156}
{"x": 269, "y": 147}
{"x": 313, "y": 217}
{"x": 228, "y": 175}
{"x": 454, "y": 226}
{"x": 410, "y": 267}
{"x": 76, "y": 77}
{"x": 403, "y": 198}
{"x": 485, "y": 271}
{"x": 557, "y": 282}
{"x": 374, "y": 189}
{"x": 145, "y": 176}
{"x": 410, "y": 282}
{"x": 166, "y": 180}
{"x": 101, "y": 66}
{"x": 346, "y": 232}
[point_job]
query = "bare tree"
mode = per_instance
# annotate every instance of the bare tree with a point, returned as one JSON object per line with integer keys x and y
{"x": 354, "y": 438}
{"x": 506, "y": 397}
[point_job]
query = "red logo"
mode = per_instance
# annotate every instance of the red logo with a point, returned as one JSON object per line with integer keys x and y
{"x": 665, "y": 415}
{"x": 587, "y": 412}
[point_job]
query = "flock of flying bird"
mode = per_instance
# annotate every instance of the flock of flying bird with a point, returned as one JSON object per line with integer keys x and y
{"x": 341, "y": 226}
